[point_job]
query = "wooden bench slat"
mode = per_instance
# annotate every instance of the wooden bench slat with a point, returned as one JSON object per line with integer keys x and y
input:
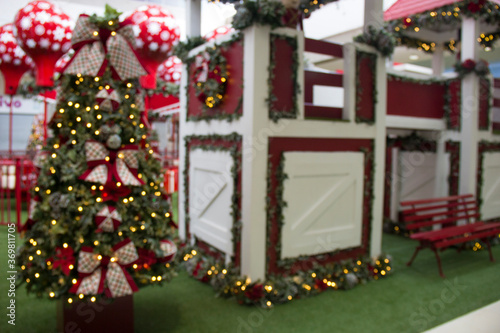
{"x": 433, "y": 235}
{"x": 458, "y": 240}
{"x": 430, "y": 208}
{"x": 418, "y": 225}
{"x": 440, "y": 213}
{"x": 425, "y": 201}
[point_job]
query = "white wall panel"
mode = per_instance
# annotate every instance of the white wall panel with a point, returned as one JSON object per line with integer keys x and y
{"x": 490, "y": 207}
{"x": 324, "y": 193}
{"x": 210, "y": 191}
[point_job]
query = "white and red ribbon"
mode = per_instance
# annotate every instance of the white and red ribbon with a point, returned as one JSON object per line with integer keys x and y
{"x": 96, "y": 47}
{"x": 98, "y": 274}
{"x": 168, "y": 250}
{"x": 108, "y": 100}
{"x": 108, "y": 219}
{"x": 104, "y": 165}
{"x": 201, "y": 63}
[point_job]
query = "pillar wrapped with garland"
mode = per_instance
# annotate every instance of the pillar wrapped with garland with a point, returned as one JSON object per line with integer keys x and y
{"x": 101, "y": 225}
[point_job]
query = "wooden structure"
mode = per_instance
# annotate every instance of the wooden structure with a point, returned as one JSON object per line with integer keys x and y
{"x": 273, "y": 181}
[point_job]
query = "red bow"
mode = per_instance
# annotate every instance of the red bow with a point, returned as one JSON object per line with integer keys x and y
{"x": 105, "y": 165}
{"x": 96, "y": 47}
{"x": 98, "y": 274}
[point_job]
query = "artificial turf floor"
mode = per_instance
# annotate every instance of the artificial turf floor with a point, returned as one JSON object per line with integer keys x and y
{"x": 411, "y": 299}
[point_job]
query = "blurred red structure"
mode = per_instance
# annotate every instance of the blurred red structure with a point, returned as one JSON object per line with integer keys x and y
{"x": 17, "y": 177}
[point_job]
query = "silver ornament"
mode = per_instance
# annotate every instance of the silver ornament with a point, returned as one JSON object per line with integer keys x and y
{"x": 114, "y": 141}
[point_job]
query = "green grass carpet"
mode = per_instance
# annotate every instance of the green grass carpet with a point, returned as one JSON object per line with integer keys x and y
{"x": 412, "y": 299}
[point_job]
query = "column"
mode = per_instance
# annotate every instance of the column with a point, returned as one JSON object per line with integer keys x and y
{"x": 470, "y": 108}
{"x": 374, "y": 15}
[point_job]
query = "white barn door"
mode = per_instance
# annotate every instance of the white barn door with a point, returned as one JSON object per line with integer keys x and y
{"x": 490, "y": 207}
{"x": 324, "y": 193}
{"x": 210, "y": 190}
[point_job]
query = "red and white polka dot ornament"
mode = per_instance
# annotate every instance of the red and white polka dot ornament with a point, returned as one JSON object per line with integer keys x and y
{"x": 170, "y": 70}
{"x": 13, "y": 61}
{"x": 44, "y": 33}
{"x": 156, "y": 32}
{"x": 220, "y": 31}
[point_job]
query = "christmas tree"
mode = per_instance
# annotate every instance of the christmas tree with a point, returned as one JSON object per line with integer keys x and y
{"x": 101, "y": 224}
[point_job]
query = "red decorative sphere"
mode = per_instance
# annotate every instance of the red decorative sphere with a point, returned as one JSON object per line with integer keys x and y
{"x": 156, "y": 32}
{"x": 171, "y": 70}
{"x": 13, "y": 60}
{"x": 220, "y": 31}
{"x": 44, "y": 33}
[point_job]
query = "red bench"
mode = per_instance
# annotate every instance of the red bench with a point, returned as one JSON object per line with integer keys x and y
{"x": 442, "y": 222}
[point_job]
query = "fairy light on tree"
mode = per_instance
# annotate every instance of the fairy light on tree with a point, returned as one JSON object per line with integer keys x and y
{"x": 89, "y": 195}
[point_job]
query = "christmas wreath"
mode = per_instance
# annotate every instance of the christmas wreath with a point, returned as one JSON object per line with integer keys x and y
{"x": 210, "y": 77}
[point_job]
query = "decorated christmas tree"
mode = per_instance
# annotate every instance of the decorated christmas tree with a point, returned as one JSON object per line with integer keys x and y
{"x": 100, "y": 224}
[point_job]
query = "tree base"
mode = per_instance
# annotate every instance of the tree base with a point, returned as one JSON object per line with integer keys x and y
{"x": 107, "y": 315}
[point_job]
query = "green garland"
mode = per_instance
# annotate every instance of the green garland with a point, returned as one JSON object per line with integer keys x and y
{"x": 264, "y": 12}
{"x": 449, "y": 15}
{"x": 227, "y": 282}
{"x": 360, "y": 55}
{"x": 212, "y": 89}
{"x": 448, "y": 99}
{"x": 380, "y": 39}
{"x": 182, "y": 49}
{"x": 275, "y": 114}
{"x": 210, "y": 143}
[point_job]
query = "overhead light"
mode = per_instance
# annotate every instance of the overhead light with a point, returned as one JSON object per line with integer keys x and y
{"x": 414, "y": 57}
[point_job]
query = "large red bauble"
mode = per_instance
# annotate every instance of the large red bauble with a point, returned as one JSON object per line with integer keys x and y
{"x": 44, "y": 33}
{"x": 156, "y": 32}
{"x": 171, "y": 70}
{"x": 13, "y": 61}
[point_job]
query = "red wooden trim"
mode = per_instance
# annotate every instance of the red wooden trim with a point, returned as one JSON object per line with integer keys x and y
{"x": 424, "y": 201}
{"x": 496, "y": 103}
{"x": 427, "y": 223}
{"x": 496, "y": 83}
{"x": 323, "y": 47}
{"x": 430, "y": 208}
{"x": 313, "y": 111}
{"x": 312, "y": 78}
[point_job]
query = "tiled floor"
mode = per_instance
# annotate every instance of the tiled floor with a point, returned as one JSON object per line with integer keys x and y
{"x": 483, "y": 320}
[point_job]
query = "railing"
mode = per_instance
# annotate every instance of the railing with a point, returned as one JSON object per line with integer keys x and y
{"x": 496, "y": 105}
{"x": 17, "y": 177}
{"x": 323, "y": 80}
